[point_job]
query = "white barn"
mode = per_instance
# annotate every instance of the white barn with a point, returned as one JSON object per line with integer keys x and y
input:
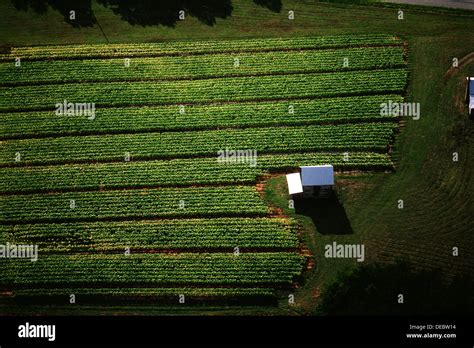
{"x": 311, "y": 181}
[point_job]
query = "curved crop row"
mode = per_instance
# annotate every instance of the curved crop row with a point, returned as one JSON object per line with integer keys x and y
{"x": 186, "y": 67}
{"x": 174, "y": 234}
{"x": 194, "y": 47}
{"x": 165, "y": 202}
{"x": 46, "y": 97}
{"x": 247, "y": 268}
{"x": 356, "y": 137}
{"x": 251, "y": 114}
{"x": 176, "y": 172}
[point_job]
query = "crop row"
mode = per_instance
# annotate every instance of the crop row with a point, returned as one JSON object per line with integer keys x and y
{"x": 173, "y": 234}
{"x": 170, "y": 296}
{"x": 194, "y": 47}
{"x": 183, "y": 269}
{"x": 356, "y": 137}
{"x": 345, "y": 109}
{"x": 165, "y": 202}
{"x": 144, "y": 292}
{"x": 45, "y": 97}
{"x": 176, "y": 172}
{"x": 186, "y": 67}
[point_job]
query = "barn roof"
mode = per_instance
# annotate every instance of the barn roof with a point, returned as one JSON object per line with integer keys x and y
{"x": 294, "y": 183}
{"x": 317, "y": 175}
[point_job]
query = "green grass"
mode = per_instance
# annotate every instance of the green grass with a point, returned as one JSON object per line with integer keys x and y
{"x": 247, "y": 20}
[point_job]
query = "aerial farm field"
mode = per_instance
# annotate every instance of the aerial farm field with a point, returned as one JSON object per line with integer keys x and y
{"x": 131, "y": 210}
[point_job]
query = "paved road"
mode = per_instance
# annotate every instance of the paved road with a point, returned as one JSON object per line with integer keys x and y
{"x": 466, "y": 4}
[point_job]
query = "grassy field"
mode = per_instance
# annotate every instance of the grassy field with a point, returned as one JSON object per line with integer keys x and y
{"x": 246, "y": 20}
{"x": 436, "y": 191}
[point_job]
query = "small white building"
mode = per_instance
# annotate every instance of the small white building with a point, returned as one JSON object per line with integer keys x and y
{"x": 311, "y": 181}
{"x": 294, "y": 183}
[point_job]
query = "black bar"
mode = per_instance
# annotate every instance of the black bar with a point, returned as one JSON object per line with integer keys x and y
{"x": 291, "y": 331}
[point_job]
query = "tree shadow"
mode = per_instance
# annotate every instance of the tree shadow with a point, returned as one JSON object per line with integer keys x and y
{"x": 84, "y": 16}
{"x": 327, "y": 214}
{"x": 374, "y": 289}
{"x": 166, "y": 12}
{"x": 141, "y": 12}
{"x": 135, "y": 12}
{"x": 272, "y": 5}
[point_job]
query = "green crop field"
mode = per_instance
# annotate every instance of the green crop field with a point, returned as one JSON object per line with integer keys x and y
{"x": 131, "y": 206}
{"x": 310, "y": 71}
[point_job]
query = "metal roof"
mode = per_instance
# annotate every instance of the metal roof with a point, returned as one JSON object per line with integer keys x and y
{"x": 471, "y": 86}
{"x": 294, "y": 183}
{"x": 317, "y": 175}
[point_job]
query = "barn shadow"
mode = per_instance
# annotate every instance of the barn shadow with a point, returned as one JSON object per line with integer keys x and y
{"x": 327, "y": 214}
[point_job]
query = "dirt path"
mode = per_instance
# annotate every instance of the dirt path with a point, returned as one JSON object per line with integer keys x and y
{"x": 468, "y": 58}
